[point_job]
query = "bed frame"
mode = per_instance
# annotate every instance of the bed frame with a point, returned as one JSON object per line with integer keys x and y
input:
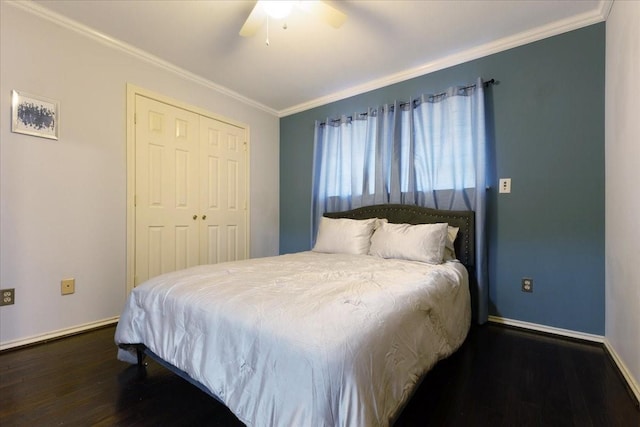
{"x": 464, "y": 246}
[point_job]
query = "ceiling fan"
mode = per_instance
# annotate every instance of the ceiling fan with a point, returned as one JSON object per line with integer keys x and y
{"x": 280, "y": 9}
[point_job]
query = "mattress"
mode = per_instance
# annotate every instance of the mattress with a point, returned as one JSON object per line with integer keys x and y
{"x": 303, "y": 339}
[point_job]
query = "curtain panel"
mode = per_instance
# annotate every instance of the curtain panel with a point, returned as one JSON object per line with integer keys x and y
{"x": 430, "y": 151}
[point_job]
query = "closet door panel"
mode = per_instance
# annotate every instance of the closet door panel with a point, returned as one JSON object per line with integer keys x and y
{"x": 167, "y": 188}
{"x": 223, "y": 160}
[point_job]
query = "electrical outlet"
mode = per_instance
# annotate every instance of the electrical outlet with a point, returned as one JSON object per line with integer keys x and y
{"x": 527, "y": 284}
{"x": 505, "y": 185}
{"x": 68, "y": 286}
{"x": 8, "y": 296}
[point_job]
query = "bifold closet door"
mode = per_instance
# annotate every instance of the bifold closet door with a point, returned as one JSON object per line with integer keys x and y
{"x": 191, "y": 189}
{"x": 167, "y": 213}
{"x": 223, "y": 189}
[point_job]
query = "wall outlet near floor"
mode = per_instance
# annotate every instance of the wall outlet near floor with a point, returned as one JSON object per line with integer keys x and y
{"x": 527, "y": 284}
{"x": 7, "y": 296}
{"x": 68, "y": 286}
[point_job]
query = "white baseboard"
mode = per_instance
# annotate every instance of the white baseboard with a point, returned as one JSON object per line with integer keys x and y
{"x": 548, "y": 329}
{"x": 632, "y": 382}
{"x": 57, "y": 334}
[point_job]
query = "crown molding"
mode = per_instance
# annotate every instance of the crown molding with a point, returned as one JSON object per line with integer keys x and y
{"x": 506, "y": 43}
{"x": 597, "y": 15}
{"x": 70, "y": 24}
{"x": 605, "y": 8}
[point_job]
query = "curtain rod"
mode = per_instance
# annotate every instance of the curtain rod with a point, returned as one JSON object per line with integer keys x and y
{"x": 487, "y": 83}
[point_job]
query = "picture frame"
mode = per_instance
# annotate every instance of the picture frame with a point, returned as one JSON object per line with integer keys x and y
{"x": 34, "y": 115}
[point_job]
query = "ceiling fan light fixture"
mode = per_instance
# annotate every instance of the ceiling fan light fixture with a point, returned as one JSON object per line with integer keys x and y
{"x": 263, "y": 10}
{"x": 277, "y": 9}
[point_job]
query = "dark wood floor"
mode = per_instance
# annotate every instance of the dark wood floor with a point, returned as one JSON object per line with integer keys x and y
{"x": 500, "y": 377}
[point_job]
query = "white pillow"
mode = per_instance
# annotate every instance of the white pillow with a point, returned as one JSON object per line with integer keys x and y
{"x": 422, "y": 242}
{"x": 344, "y": 236}
{"x": 449, "y": 251}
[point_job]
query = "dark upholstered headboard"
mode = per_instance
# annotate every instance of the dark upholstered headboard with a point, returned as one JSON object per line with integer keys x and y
{"x": 407, "y": 214}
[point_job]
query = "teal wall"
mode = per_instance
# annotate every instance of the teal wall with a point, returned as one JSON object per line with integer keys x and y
{"x": 546, "y": 119}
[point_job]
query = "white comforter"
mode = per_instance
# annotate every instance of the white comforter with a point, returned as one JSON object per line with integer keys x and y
{"x": 306, "y": 339}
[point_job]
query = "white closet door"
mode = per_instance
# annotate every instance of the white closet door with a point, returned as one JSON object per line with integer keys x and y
{"x": 167, "y": 215}
{"x": 223, "y": 192}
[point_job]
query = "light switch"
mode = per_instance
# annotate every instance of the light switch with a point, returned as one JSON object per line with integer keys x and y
{"x": 505, "y": 185}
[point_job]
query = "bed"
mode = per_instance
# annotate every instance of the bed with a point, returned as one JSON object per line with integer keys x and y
{"x": 337, "y": 336}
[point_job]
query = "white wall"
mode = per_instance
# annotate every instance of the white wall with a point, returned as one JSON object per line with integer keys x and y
{"x": 622, "y": 153}
{"x": 63, "y": 211}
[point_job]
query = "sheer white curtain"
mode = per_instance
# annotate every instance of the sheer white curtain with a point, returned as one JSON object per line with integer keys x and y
{"x": 430, "y": 152}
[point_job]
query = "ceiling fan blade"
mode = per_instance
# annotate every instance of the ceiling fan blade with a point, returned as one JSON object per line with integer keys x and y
{"x": 254, "y": 21}
{"x": 326, "y": 12}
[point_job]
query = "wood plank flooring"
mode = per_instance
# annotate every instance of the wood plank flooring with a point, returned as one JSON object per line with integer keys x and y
{"x": 500, "y": 377}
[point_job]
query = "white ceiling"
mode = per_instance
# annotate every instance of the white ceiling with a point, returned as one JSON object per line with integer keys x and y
{"x": 311, "y": 63}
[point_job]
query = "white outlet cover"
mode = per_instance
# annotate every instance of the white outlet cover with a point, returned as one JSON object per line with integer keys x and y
{"x": 505, "y": 185}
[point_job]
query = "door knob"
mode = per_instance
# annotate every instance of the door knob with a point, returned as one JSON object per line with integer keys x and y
{"x": 204, "y": 217}
{"x": 195, "y": 217}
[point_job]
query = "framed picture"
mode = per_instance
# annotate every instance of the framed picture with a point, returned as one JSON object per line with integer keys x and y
{"x": 34, "y": 115}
